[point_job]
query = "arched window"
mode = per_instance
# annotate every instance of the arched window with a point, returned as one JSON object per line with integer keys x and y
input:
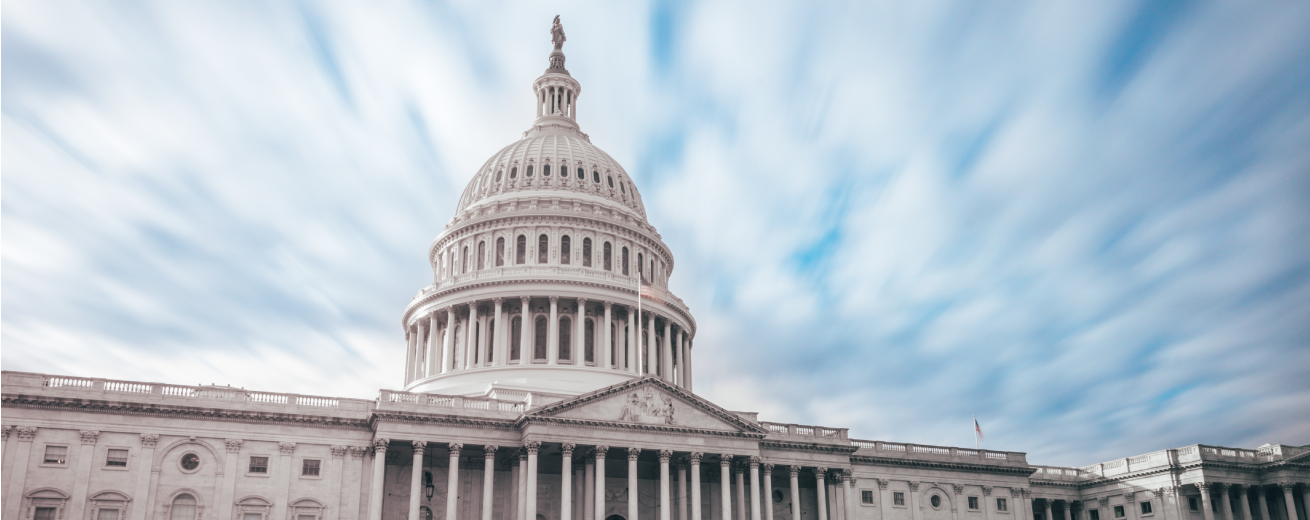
{"x": 500, "y": 251}
{"x": 564, "y": 250}
{"x": 539, "y": 339}
{"x": 582, "y": 174}
{"x": 652, "y": 270}
{"x": 465, "y": 261}
{"x": 625, "y": 261}
{"x": 586, "y": 252}
{"x": 614, "y": 355}
{"x": 639, "y": 263}
{"x": 611, "y": 181}
{"x": 606, "y": 252}
{"x": 595, "y": 176}
{"x": 514, "y": 172}
{"x": 477, "y": 343}
{"x": 482, "y": 253}
{"x": 529, "y": 172}
{"x": 490, "y": 356}
{"x": 515, "y": 337}
{"x": 565, "y": 338}
{"x": 545, "y": 170}
{"x": 543, "y": 249}
{"x": 589, "y": 341}
{"x": 498, "y": 172}
{"x": 183, "y": 508}
{"x": 622, "y": 188}
{"x": 522, "y": 250}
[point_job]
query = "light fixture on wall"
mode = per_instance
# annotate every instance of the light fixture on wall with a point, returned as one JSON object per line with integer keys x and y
{"x": 428, "y": 488}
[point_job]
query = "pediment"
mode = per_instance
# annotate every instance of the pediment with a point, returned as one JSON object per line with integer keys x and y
{"x": 648, "y": 401}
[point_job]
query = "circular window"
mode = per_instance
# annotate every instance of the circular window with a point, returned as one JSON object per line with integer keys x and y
{"x": 936, "y": 501}
{"x": 190, "y": 462}
{"x": 514, "y": 172}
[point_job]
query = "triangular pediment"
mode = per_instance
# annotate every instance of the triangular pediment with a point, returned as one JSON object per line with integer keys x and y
{"x": 647, "y": 401}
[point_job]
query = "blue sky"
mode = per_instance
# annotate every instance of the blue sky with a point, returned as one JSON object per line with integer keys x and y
{"x": 1086, "y": 222}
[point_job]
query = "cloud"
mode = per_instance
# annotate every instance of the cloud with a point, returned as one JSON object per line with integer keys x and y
{"x": 1083, "y": 223}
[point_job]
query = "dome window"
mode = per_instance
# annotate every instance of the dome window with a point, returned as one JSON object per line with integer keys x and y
{"x": 611, "y": 180}
{"x": 586, "y": 252}
{"x": 529, "y": 172}
{"x": 545, "y": 171}
{"x": 606, "y": 252}
{"x": 465, "y": 261}
{"x": 565, "y": 249}
{"x": 623, "y": 189}
{"x": 500, "y": 251}
{"x": 582, "y": 174}
{"x": 498, "y": 172}
{"x": 482, "y": 254}
{"x": 565, "y": 339}
{"x": 543, "y": 248}
{"x": 521, "y": 251}
{"x": 515, "y": 337}
{"x": 595, "y": 176}
{"x": 514, "y": 172}
{"x": 625, "y": 261}
{"x": 539, "y": 347}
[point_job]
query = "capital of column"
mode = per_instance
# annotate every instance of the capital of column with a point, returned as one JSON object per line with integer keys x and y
{"x": 1128, "y": 496}
{"x": 489, "y": 451}
{"x": 473, "y": 306}
{"x": 5, "y": 429}
{"x": 694, "y": 458}
{"x": 755, "y": 462}
{"x": 848, "y": 476}
{"x": 822, "y": 473}
{"x": 524, "y": 300}
{"x": 987, "y": 490}
{"x": 601, "y": 451}
{"x": 380, "y": 445}
{"x": 522, "y": 454}
{"x": 608, "y": 305}
{"x": 357, "y": 452}
{"x": 419, "y": 446}
{"x": 1288, "y": 487}
{"x": 582, "y": 306}
{"x": 233, "y": 445}
{"x": 89, "y": 436}
{"x": 532, "y": 446}
{"x": 739, "y": 468}
{"x": 794, "y": 470}
{"x": 338, "y": 450}
{"x": 455, "y": 448}
{"x": 567, "y": 449}
{"x": 286, "y": 448}
{"x": 498, "y": 300}
{"x": 633, "y": 453}
{"x": 1104, "y": 501}
{"x": 1014, "y": 492}
{"x": 767, "y": 468}
{"x": 554, "y": 300}
{"x": 1222, "y": 487}
{"x": 665, "y": 455}
{"x": 882, "y": 483}
{"x": 725, "y": 460}
{"x": 959, "y": 488}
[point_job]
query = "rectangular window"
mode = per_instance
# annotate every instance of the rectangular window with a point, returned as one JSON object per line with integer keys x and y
{"x": 1193, "y": 504}
{"x": 310, "y": 468}
{"x": 305, "y": 517}
{"x": 116, "y": 458}
{"x": 1146, "y": 508}
{"x": 1094, "y": 514}
{"x": 44, "y": 513}
{"x": 252, "y": 516}
{"x": 866, "y": 496}
{"x": 973, "y": 503}
{"x": 107, "y": 514}
{"x": 1118, "y": 511}
{"x": 1002, "y": 505}
{"x": 259, "y": 464}
{"x": 56, "y": 454}
{"x": 898, "y": 498}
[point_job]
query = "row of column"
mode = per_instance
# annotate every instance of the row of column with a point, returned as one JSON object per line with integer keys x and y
{"x": 426, "y": 357}
{"x": 1248, "y": 505}
{"x": 589, "y": 496}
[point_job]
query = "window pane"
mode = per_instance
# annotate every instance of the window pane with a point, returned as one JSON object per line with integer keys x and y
{"x": 522, "y": 247}
{"x": 116, "y": 458}
{"x": 259, "y": 464}
{"x": 184, "y": 508}
{"x": 973, "y": 502}
{"x": 539, "y": 348}
{"x": 1146, "y": 508}
{"x": 543, "y": 248}
{"x": 107, "y": 514}
{"x": 310, "y": 468}
{"x": 45, "y": 513}
{"x": 252, "y": 516}
{"x": 866, "y": 496}
{"x": 56, "y": 454}
{"x": 1001, "y": 505}
{"x": 898, "y": 498}
{"x": 515, "y": 337}
{"x": 500, "y": 251}
{"x": 565, "y": 250}
{"x": 565, "y": 338}
{"x": 1118, "y": 511}
{"x": 589, "y": 341}
{"x": 586, "y": 252}
{"x": 1095, "y": 515}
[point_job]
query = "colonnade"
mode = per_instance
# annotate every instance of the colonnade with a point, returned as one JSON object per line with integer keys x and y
{"x": 1250, "y": 501}
{"x": 587, "y": 501}
{"x": 567, "y": 331}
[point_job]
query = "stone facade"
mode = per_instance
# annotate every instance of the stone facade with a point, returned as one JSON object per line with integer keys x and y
{"x": 549, "y": 377}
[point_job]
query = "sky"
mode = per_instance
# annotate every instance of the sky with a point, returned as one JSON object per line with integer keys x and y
{"x": 1086, "y": 223}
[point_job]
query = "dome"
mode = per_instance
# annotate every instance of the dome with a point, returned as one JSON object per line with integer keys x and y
{"x": 552, "y": 158}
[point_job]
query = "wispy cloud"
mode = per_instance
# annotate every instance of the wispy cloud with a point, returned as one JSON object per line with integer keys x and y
{"x": 1084, "y": 223}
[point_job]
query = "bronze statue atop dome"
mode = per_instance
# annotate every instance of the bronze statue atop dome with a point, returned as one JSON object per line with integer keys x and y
{"x": 557, "y": 34}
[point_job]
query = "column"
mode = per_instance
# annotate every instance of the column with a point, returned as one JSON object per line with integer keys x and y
{"x": 420, "y": 342}
{"x": 351, "y": 489}
{"x": 1264, "y": 502}
{"x": 411, "y": 338}
{"x": 766, "y": 478}
{"x": 282, "y": 479}
{"x": 83, "y": 473}
{"x": 821, "y": 491}
{"x": 633, "y": 454}
{"x": 1305, "y": 496}
{"x": 682, "y": 491}
{"x": 448, "y": 342}
{"x": 957, "y": 495}
{"x": 1016, "y": 502}
{"x": 599, "y": 506}
{"x": 608, "y": 362}
{"x": 523, "y": 484}
{"x": 1224, "y": 501}
{"x": 488, "y": 477}
{"x": 434, "y": 354}
{"x": 1048, "y": 516}
{"x": 18, "y": 474}
{"x": 515, "y": 472}
{"x": 848, "y": 478}
{"x": 690, "y": 376}
{"x": 1067, "y": 507}
{"x": 452, "y": 481}
{"x": 565, "y": 482}
{"x": 416, "y": 478}
{"x": 793, "y": 477}
{"x": 230, "y": 461}
{"x": 684, "y": 370}
{"x": 883, "y": 497}
{"x": 652, "y": 350}
{"x": 379, "y": 471}
{"x": 552, "y": 333}
{"x": 1245, "y": 497}
{"x": 1288, "y": 500}
{"x": 755, "y": 467}
{"x": 694, "y": 460}
{"x": 1205, "y": 500}
{"x": 525, "y": 331}
{"x": 471, "y": 337}
{"x": 739, "y": 471}
{"x": 532, "y": 446}
{"x": 589, "y": 489}
{"x": 725, "y": 489}
{"x": 499, "y": 352}
{"x": 634, "y": 362}
{"x": 665, "y": 505}
{"x": 580, "y": 337}
{"x": 666, "y": 351}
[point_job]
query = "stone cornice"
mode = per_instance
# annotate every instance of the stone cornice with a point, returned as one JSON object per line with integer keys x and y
{"x": 1201, "y": 464}
{"x": 808, "y": 446}
{"x": 933, "y": 464}
{"x": 610, "y": 425}
{"x": 458, "y": 420}
{"x": 191, "y": 412}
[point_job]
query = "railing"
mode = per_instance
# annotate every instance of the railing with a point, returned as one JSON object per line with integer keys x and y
{"x": 801, "y": 430}
{"x": 776, "y": 428}
{"x": 451, "y": 401}
{"x": 865, "y": 444}
{"x": 893, "y": 447}
{"x": 930, "y": 450}
{"x": 126, "y": 387}
{"x": 519, "y": 271}
{"x": 56, "y": 382}
{"x": 995, "y": 455}
{"x": 937, "y": 451}
{"x": 213, "y": 393}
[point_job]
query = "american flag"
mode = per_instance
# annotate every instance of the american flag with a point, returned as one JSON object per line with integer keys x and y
{"x": 649, "y": 290}
{"x": 977, "y": 430}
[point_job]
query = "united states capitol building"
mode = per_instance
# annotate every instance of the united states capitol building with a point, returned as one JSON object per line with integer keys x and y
{"x": 540, "y": 384}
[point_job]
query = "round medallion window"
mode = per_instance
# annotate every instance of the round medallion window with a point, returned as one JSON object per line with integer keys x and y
{"x": 777, "y": 496}
{"x": 936, "y": 501}
{"x": 190, "y": 462}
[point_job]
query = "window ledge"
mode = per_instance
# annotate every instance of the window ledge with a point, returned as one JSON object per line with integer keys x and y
{"x": 311, "y": 477}
{"x": 116, "y": 468}
{"x": 257, "y": 475}
{"x": 49, "y": 465}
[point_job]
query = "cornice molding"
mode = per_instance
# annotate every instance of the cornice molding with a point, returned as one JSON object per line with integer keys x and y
{"x": 168, "y": 410}
{"x": 807, "y": 446}
{"x": 610, "y": 391}
{"x": 954, "y": 466}
{"x": 419, "y": 418}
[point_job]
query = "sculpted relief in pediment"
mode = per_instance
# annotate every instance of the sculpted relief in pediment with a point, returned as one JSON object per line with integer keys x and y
{"x": 647, "y": 406}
